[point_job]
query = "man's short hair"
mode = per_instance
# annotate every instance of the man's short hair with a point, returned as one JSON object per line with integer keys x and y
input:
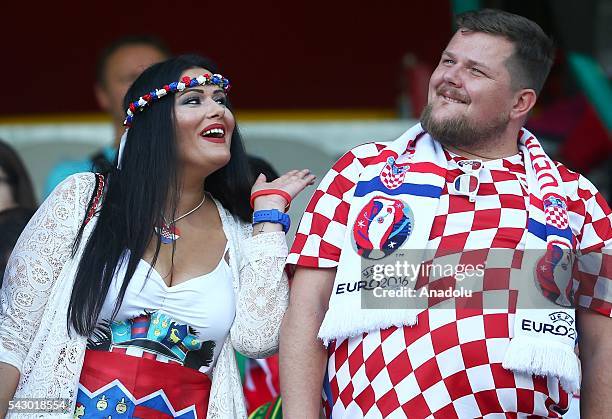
{"x": 533, "y": 55}
{"x": 119, "y": 43}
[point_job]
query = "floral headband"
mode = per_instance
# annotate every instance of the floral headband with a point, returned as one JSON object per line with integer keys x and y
{"x": 184, "y": 83}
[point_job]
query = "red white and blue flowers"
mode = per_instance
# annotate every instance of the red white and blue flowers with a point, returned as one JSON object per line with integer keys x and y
{"x": 184, "y": 83}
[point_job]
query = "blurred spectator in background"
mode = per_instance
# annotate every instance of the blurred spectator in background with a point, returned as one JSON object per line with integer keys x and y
{"x": 15, "y": 185}
{"x": 12, "y": 223}
{"x": 17, "y": 202}
{"x": 117, "y": 67}
{"x": 569, "y": 117}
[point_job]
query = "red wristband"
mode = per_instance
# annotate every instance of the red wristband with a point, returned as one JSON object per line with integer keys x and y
{"x": 263, "y": 192}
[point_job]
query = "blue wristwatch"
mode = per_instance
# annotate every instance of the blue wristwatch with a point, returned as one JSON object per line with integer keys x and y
{"x": 272, "y": 216}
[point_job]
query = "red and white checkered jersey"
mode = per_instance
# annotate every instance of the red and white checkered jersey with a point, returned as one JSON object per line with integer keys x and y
{"x": 450, "y": 363}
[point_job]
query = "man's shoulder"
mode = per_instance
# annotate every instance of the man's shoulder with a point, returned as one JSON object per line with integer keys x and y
{"x": 567, "y": 175}
{"x": 360, "y": 155}
{"x": 575, "y": 185}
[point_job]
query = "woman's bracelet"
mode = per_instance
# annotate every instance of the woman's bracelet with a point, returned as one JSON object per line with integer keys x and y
{"x": 272, "y": 216}
{"x": 264, "y": 192}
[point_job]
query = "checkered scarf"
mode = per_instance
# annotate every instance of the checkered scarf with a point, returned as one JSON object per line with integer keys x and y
{"x": 386, "y": 209}
{"x": 345, "y": 316}
{"x": 545, "y": 321}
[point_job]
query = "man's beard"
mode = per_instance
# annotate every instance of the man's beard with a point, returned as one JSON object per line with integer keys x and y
{"x": 460, "y": 132}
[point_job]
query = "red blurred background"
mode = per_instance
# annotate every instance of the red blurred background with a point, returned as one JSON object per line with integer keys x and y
{"x": 278, "y": 55}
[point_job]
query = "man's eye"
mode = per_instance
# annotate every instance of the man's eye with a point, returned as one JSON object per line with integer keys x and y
{"x": 477, "y": 72}
{"x": 448, "y": 61}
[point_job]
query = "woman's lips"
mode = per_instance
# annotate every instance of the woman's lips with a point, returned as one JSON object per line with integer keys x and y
{"x": 215, "y": 133}
{"x": 215, "y": 140}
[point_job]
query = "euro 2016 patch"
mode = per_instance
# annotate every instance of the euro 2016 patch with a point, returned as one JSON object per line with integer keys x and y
{"x": 381, "y": 227}
{"x": 554, "y": 275}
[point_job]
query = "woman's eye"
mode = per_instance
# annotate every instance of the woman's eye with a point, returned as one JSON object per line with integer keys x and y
{"x": 221, "y": 100}
{"x": 192, "y": 101}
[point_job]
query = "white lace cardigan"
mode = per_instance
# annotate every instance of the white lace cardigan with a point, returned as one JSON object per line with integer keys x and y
{"x": 38, "y": 284}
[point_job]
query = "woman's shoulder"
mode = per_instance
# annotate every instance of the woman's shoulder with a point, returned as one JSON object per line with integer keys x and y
{"x": 78, "y": 182}
{"x": 76, "y": 188}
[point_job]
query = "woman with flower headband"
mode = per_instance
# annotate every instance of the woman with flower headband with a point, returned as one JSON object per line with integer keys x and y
{"x": 154, "y": 267}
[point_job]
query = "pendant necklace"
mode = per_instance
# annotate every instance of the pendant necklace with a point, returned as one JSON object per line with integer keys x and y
{"x": 169, "y": 232}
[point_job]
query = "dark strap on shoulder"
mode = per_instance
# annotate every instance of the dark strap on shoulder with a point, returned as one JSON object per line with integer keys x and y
{"x": 95, "y": 199}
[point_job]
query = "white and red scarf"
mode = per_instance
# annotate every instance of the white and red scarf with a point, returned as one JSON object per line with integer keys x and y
{"x": 392, "y": 211}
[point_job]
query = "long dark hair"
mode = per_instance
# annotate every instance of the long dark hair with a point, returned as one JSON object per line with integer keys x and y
{"x": 136, "y": 195}
{"x": 17, "y": 177}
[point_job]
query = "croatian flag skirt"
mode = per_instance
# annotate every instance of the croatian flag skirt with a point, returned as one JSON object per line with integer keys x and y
{"x": 117, "y": 385}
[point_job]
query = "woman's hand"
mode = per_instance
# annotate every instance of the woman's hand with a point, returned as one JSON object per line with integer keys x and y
{"x": 292, "y": 182}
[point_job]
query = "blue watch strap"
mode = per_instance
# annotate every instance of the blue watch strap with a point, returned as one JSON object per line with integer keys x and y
{"x": 272, "y": 216}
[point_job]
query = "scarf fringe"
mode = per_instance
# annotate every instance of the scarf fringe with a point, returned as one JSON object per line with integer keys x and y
{"x": 527, "y": 355}
{"x": 337, "y": 325}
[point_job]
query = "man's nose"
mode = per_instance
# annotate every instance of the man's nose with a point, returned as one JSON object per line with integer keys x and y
{"x": 452, "y": 76}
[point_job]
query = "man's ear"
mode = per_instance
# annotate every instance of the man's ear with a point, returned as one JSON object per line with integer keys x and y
{"x": 102, "y": 97}
{"x": 524, "y": 101}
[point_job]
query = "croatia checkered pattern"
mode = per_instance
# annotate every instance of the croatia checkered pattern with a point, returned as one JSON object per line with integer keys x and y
{"x": 321, "y": 231}
{"x": 168, "y": 234}
{"x": 557, "y": 217}
{"x": 392, "y": 176}
{"x": 449, "y": 364}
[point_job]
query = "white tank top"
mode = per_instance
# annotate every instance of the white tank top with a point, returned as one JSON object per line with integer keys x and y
{"x": 185, "y": 323}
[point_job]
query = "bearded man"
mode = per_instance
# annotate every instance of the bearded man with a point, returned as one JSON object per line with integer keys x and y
{"x": 468, "y": 186}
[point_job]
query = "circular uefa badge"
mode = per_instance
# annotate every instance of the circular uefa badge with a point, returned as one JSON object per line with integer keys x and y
{"x": 381, "y": 227}
{"x": 553, "y": 275}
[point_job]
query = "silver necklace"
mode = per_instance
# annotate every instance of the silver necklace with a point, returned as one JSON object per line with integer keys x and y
{"x": 168, "y": 232}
